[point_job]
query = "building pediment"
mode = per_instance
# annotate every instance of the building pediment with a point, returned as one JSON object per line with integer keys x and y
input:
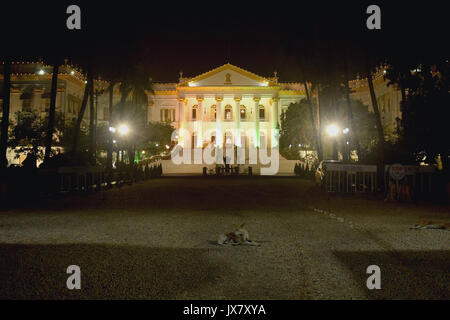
{"x": 227, "y": 75}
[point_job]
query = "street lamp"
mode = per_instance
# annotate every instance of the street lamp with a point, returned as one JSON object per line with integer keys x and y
{"x": 123, "y": 129}
{"x": 332, "y": 130}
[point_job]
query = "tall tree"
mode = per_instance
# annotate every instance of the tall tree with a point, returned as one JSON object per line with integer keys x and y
{"x": 111, "y": 114}
{"x": 91, "y": 123}
{"x": 134, "y": 103}
{"x": 379, "y": 125}
{"x": 52, "y": 111}
{"x": 81, "y": 113}
{"x": 376, "y": 111}
{"x": 353, "y": 133}
{"x": 5, "y": 112}
{"x": 313, "y": 123}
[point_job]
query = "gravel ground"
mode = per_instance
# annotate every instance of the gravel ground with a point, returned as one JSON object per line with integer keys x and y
{"x": 156, "y": 240}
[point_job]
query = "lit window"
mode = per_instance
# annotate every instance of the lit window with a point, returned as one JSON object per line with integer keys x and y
{"x": 26, "y": 105}
{"x": 228, "y": 112}
{"x": 228, "y": 138}
{"x": 261, "y": 113}
{"x": 242, "y": 112}
{"x": 167, "y": 115}
{"x": 213, "y": 112}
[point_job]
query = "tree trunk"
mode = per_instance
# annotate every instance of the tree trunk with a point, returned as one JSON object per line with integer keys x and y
{"x": 81, "y": 114}
{"x": 131, "y": 155}
{"x": 110, "y": 140}
{"x": 354, "y": 139}
{"x": 376, "y": 110}
{"x": 5, "y": 113}
{"x": 91, "y": 124}
{"x": 311, "y": 113}
{"x": 51, "y": 115}
{"x": 380, "y": 171}
{"x": 319, "y": 130}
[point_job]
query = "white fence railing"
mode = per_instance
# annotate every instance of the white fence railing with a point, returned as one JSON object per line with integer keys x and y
{"x": 350, "y": 178}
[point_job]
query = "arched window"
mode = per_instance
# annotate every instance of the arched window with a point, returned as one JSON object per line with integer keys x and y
{"x": 243, "y": 112}
{"x": 262, "y": 112}
{"x": 194, "y": 113}
{"x": 228, "y": 138}
{"x": 228, "y": 112}
{"x": 213, "y": 112}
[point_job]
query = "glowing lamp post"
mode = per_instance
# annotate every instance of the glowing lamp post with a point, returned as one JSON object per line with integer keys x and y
{"x": 333, "y": 131}
{"x": 123, "y": 129}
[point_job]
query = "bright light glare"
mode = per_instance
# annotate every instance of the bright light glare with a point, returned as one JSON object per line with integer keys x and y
{"x": 167, "y": 147}
{"x": 345, "y": 131}
{"x": 123, "y": 129}
{"x": 72, "y": 72}
{"x": 41, "y": 72}
{"x": 112, "y": 129}
{"x": 332, "y": 130}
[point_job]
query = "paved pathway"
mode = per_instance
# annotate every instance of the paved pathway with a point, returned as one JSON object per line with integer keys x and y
{"x": 156, "y": 240}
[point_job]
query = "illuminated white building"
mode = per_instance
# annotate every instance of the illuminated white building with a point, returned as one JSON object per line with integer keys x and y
{"x": 227, "y": 105}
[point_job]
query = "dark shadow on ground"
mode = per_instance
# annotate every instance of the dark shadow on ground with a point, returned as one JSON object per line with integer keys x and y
{"x": 404, "y": 274}
{"x": 107, "y": 271}
{"x": 193, "y": 193}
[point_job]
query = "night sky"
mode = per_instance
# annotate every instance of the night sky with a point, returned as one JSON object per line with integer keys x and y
{"x": 195, "y": 36}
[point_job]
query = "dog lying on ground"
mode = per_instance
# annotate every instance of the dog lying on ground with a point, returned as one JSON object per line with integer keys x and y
{"x": 432, "y": 225}
{"x": 238, "y": 237}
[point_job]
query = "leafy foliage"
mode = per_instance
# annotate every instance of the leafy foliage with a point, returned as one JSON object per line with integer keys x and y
{"x": 296, "y": 130}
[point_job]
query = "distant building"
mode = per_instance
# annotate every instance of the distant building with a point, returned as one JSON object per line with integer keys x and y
{"x": 31, "y": 88}
{"x": 388, "y": 100}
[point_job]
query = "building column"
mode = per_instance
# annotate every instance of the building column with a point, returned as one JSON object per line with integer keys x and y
{"x": 200, "y": 122}
{"x": 219, "y": 137}
{"x": 14, "y": 103}
{"x": 256, "y": 110}
{"x": 274, "y": 131}
{"x": 181, "y": 121}
{"x": 237, "y": 122}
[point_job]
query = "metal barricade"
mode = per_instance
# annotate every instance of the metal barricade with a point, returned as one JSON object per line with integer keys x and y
{"x": 350, "y": 178}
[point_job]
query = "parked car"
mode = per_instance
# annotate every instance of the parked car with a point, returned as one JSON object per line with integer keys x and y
{"x": 321, "y": 170}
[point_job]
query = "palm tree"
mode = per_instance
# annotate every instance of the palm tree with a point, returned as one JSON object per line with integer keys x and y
{"x": 134, "y": 104}
{"x": 52, "y": 111}
{"x": 87, "y": 89}
{"x": 313, "y": 123}
{"x": 5, "y": 112}
{"x": 353, "y": 132}
{"x": 376, "y": 111}
{"x": 381, "y": 142}
{"x": 110, "y": 140}
{"x": 91, "y": 149}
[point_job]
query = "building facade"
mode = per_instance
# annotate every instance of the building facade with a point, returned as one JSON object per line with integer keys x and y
{"x": 227, "y": 105}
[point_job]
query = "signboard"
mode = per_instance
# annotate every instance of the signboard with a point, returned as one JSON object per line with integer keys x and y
{"x": 397, "y": 171}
